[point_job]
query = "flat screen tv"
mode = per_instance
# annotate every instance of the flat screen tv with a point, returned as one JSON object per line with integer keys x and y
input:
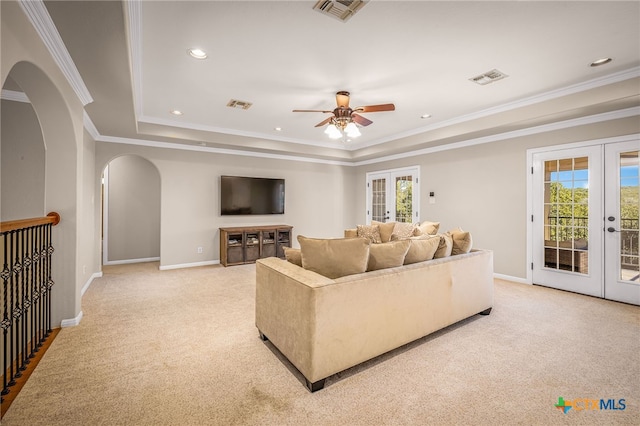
{"x": 251, "y": 196}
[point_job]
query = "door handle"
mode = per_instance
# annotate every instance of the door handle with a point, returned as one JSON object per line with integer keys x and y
{"x": 612, "y": 229}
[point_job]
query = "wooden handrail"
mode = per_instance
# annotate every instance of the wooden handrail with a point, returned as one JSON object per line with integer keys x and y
{"x": 12, "y": 225}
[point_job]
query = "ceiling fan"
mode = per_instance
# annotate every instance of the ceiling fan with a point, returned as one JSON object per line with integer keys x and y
{"x": 345, "y": 118}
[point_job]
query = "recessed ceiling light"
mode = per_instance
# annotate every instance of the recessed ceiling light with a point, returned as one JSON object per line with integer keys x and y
{"x": 277, "y": 129}
{"x": 175, "y": 112}
{"x": 425, "y": 116}
{"x": 600, "y": 61}
{"x": 197, "y": 53}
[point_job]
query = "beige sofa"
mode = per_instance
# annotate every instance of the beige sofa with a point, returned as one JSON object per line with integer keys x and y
{"x": 324, "y": 326}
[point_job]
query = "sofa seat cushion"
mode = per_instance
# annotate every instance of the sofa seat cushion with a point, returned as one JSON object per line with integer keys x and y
{"x": 387, "y": 255}
{"x": 422, "y": 248}
{"x": 336, "y": 257}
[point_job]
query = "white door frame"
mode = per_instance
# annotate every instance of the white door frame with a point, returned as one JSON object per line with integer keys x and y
{"x": 392, "y": 173}
{"x": 530, "y": 185}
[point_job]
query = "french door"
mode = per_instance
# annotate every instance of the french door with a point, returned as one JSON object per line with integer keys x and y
{"x": 585, "y": 220}
{"x": 393, "y": 195}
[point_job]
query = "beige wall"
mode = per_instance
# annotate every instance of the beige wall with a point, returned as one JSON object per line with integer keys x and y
{"x": 319, "y": 198}
{"x": 133, "y": 217}
{"x": 60, "y": 114}
{"x": 483, "y": 188}
{"x": 23, "y": 159}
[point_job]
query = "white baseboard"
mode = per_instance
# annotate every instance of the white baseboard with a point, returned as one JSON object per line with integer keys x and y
{"x": 127, "y": 261}
{"x": 189, "y": 265}
{"x": 71, "y": 322}
{"x": 85, "y": 287}
{"x": 511, "y": 278}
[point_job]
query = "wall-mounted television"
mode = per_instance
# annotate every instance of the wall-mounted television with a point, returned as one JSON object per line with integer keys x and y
{"x": 241, "y": 195}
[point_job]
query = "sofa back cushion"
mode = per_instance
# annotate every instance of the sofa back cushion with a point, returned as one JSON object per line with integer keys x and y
{"x": 427, "y": 228}
{"x": 387, "y": 255}
{"x": 422, "y": 248}
{"x": 336, "y": 257}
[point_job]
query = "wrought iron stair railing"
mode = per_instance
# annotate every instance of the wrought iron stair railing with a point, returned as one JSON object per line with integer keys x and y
{"x": 26, "y": 250}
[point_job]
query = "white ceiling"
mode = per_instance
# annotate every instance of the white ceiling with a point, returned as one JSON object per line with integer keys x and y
{"x": 283, "y": 55}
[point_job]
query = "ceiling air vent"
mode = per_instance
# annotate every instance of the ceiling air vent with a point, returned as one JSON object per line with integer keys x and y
{"x": 339, "y": 9}
{"x": 489, "y": 77}
{"x": 234, "y": 103}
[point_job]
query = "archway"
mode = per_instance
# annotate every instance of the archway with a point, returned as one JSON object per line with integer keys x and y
{"x": 61, "y": 137}
{"x": 131, "y": 211}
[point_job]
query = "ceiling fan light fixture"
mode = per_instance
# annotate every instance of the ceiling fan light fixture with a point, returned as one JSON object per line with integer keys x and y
{"x": 352, "y": 130}
{"x": 333, "y": 131}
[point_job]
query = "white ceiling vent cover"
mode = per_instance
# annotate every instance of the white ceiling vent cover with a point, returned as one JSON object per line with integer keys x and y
{"x": 489, "y": 77}
{"x": 339, "y": 9}
{"x": 233, "y": 103}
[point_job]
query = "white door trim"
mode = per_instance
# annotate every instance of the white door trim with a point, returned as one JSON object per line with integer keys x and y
{"x": 530, "y": 192}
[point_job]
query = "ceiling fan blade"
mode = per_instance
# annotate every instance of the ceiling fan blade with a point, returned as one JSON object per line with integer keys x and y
{"x": 342, "y": 99}
{"x": 310, "y": 110}
{"x": 323, "y": 122}
{"x": 376, "y": 108}
{"x": 361, "y": 120}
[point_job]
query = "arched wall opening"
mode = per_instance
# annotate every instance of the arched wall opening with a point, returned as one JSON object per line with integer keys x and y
{"x": 131, "y": 193}
{"x": 60, "y": 173}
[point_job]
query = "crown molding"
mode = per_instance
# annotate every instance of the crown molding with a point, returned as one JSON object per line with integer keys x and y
{"x": 133, "y": 22}
{"x": 183, "y": 147}
{"x": 592, "y": 119}
{"x": 88, "y": 124}
{"x": 12, "y": 95}
{"x": 553, "y": 94}
{"x": 39, "y": 17}
{"x": 227, "y": 131}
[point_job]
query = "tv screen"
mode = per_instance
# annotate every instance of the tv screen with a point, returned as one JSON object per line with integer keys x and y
{"x": 250, "y": 196}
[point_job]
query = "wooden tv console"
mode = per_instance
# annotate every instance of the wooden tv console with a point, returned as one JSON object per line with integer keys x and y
{"x": 246, "y": 244}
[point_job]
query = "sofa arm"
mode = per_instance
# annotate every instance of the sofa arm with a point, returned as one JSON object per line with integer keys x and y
{"x": 286, "y": 308}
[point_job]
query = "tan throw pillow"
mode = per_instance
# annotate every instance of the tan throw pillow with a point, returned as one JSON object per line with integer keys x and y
{"x": 462, "y": 241}
{"x": 334, "y": 258}
{"x": 387, "y": 255}
{"x": 444, "y": 247}
{"x": 422, "y": 248}
{"x": 402, "y": 231}
{"x": 426, "y": 227}
{"x": 372, "y": 232}
{"x": 386, "y": 229}
{"x": 350, "y": 233}
{"x": 293, "y": 255}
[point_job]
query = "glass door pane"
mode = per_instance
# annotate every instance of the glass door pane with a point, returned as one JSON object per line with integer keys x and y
{"x": 404, "y": 199}
{"x": 629, "y": 206}
{"x": 379, "y": 199}
{"x": 566, "y": 214}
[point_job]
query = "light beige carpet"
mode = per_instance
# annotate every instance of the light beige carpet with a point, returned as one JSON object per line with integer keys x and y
{"x": 180, "y": 348}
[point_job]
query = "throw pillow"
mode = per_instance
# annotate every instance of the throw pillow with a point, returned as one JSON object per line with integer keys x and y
{"x": 428, "y": 228}
{"x": 334, "y": 258}
{"x": 372, "y": 232}
{"x": 350, "y": 233}
{"x": 422, "y": 248}
{"x": 293, "y": 255}
{"x": 387, "y": 255}
{"x": 402, "y": 231}
{"x": 462, "y": 241}
{"x": 386, "y": 229}
{"x": 445, "y": 246}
